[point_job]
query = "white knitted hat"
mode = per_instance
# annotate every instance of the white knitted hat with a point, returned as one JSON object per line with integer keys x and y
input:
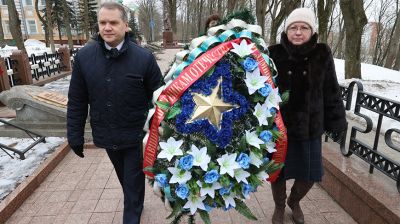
{"x": 304, "y": 15}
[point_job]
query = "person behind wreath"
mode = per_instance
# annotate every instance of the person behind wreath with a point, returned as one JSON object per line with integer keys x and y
{"x": 306, "y": 69}
{"x": 116, "y": 78}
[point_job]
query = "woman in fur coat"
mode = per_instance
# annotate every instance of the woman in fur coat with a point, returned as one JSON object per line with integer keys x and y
{"x": 306, "y": 69}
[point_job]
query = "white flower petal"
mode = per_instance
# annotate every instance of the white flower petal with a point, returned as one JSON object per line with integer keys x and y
{"x": 228, "y": 164}
{"x": 255, "y": 160}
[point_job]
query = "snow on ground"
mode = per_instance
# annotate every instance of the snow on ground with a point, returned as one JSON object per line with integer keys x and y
{"x": 13, "y": 170}
{"x": 376, "y": 80}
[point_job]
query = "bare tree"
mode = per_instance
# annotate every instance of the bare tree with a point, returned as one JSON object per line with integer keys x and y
{"x": 285, "y": 8}
{"x": 172, "y": 13}
{"x": 86, "y": 19}
{"x": 354, "y": 22}
{"x": 261, "y": 11}
{"x": 15, "y": 25}
{"x": 46, "y": 32}
{"x": 324, "y": 10}
{"x": 199, "y": 27}
{"x": 394, "y": 42}
{"x": 67, "y": 24}
{"x": 49, "y": 24}
{"x": 231, "y": 6}
{"x": 397, "y": 62}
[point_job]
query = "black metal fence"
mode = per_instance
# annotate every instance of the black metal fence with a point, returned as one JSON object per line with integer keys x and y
{"x": 45, "y": 65}
{"x": 373, "y": 153}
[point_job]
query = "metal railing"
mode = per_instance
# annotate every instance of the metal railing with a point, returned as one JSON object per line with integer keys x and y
{"x": 372, "y": 153}
{"x": 36, "y": 138}
{"x": 45, "y": 65}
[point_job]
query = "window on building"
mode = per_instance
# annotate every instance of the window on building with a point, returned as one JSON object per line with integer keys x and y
{"x": 6, "y": 27}
{"x": 28, "y": 2}
{"x": 31, "y": 24}
{"x": 4, "y": 2}
{"x": 42, "y": 2}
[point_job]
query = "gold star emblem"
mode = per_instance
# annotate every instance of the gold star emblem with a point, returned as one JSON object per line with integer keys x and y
{"x": 211, "y": 107}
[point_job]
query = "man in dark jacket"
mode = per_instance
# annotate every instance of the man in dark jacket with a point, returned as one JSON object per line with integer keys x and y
{"x": 116, "y": 78}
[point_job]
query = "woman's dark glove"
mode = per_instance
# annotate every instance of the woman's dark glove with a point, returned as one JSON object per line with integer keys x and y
{"x": 337, "y": 136}
{"x": 78, "y": 150}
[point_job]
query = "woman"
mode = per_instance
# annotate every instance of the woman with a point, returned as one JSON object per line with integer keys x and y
{"x": 305, "y": 69}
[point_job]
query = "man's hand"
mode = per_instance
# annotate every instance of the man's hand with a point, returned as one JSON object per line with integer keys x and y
{"x": 78, "y": 150}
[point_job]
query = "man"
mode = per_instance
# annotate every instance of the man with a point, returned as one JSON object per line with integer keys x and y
{"x": 116, "y": 78}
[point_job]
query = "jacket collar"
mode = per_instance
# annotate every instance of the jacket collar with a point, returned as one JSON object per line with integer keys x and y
{"x": 108, "y": 52}
{"x": 299, "y": 51}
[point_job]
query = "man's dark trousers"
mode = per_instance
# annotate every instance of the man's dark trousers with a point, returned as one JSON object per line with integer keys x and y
{"x": 129, "y": 169}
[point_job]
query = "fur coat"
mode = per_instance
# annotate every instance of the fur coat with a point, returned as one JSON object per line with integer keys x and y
{"x": 308, "y": 72}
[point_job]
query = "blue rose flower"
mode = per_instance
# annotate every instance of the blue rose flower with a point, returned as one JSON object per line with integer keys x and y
{"x": 186, "y": 162}
{"x": 211, "y": 176}
{"x": 244, "y": 160}
{"x": 264, "y": 91}
{"x": 265, "y": 160}
{"x": 225, "y": 190}
{"x": 272, "y": 110}
{"x": 162, "y": 180}
{"x": 266, "y": 136}
{"x": 246, "y": 189}
{"x": 249, "y": 64}
{"x": 182, "y": 191}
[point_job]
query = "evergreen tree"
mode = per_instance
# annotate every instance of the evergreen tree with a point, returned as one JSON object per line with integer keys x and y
{"x": 134, "y": 26}
{"x": 92, "y": 15}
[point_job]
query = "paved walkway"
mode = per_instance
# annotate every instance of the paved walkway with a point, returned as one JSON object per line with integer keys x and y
{"x": 87, "y": 191}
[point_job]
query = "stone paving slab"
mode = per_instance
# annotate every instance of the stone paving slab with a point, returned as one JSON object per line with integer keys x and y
{"x": 87, "y": 191}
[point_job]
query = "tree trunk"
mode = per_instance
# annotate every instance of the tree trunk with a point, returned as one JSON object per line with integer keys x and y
{"x": 261, "y": 9}
{"x": 397, "y": 62}
{"x": 394, "y": 44}
{"x": 86, "y": 19}
{"x": 324, "y": 13}
{"x": 67, "y": 24}
{"x": 354, "y": 21}
{"x": 172, "y": 14}
{"x": 2, "y": 42}
{"x": 231, "y": 6}
{"x": 15, "y": 25}
{"x": 50, "y": 24}
{"x": 219, "y": 8}
{"x": 46, "y": 36}
{"x": 199, "y": 29}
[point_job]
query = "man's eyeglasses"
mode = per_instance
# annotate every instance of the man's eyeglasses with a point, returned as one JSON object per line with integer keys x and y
{"x": 302, "y": 29}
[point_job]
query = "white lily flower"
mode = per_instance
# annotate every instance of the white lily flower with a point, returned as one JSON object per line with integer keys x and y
{"x": 254, "y": 80}
{"x": 178, "y": 176}
{"x": 229, "y": 200}
{"x": 200, "y": 157}
{"x": 208, "y": 190}
{"x": 262, "y": 113}
{"x": 170, "y": 149}
{"x": 262, "y": 175}
{"x": 241, "y": 175}
{"x": 228, "y": 164}
{"x": 273, "y": 99}
{"x": 195, "y": 203}
{"x": 255, "y": 160}
{"x": 271, "y": 146}
{"x": 243, "y": 49}
{"x": 252, "y": 139}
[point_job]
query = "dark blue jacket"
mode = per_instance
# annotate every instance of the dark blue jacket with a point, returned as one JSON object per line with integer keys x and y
{"x": 117, "y": 88}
